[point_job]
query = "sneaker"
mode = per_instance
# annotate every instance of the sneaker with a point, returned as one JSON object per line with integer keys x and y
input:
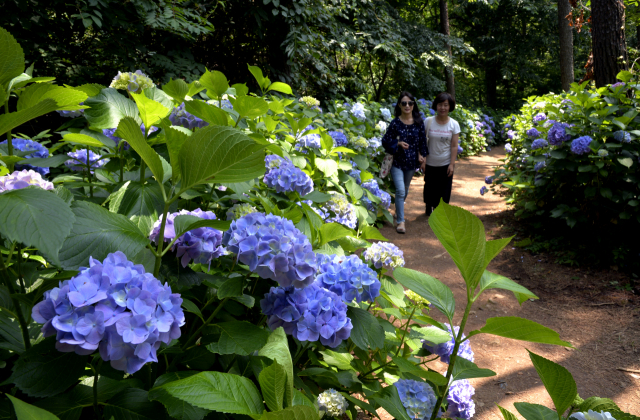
{"x": 400, "y": 228}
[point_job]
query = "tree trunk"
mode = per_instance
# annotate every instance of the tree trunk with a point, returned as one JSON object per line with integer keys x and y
{"x": 566, "y": 45}
{"x": 444, "y": 29}
{"x": 608, "y": 41}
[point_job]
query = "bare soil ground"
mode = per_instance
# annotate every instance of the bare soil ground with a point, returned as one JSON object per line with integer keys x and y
{"x": 583, "y": 305}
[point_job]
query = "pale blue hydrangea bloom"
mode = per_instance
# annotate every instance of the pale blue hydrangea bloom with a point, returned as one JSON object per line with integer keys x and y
{"x": 539, "y": 144}
{"x": 78, "y": 161}
{"x": 23, "y": 179}
{"x": 342, "y": 210}
{"x": 332, "y": 403}
{"x": 385, "y": 198}
{"x": 318, "y": 211}
{"x": 418, "y": 398}
{"x": 240, "y": 209}
{"x": 580, "y": 146}
{"x": 180, "y": 117}
{"x": 461, "y": 405}
{"x": 348, "y": 277}
{"x": 539, "y": 165}
{"x": 540, "y": 117}
{"x": 284, "y": 176}
{"x": 622, "y": 136}
{"x": 381, "y": 126}
{"x": 592, "y": 415}
{"x": 508, "y": 148}
{"x": 444, "y": 350}
{"x": 511, "y": 134}
{"x": 374, "y": 143}
{"x": 386, "y": 114}
{"x": 358, "y": 111}
{"x": 308, "y": 314}
{"x": 39, "y": 151}
{"x": 384, "y": 254}
{"x": 309, "y": 141}
{"x": 72, "y": 114}
{"x": 113, "y": 306}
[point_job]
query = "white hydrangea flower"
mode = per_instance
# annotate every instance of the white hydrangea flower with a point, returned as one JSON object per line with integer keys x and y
{"x": 592, "y": 415}
{"x": 332, "y": 403}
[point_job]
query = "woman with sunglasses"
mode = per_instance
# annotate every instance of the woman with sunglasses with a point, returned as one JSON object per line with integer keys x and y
{"x": 442, "y": 139}
{"x": 405, "y": 139}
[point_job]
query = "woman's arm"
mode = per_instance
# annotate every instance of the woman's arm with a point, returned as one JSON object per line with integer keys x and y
{"x": 454, "y": 154}
{"x": 390, "y": 140}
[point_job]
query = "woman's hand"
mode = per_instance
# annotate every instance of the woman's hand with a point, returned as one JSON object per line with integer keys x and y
{"x": 404, "y": 145}
{"x": 450, "y": 169}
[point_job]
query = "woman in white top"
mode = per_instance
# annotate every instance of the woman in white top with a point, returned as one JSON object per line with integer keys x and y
{"x": 443, "y": 133}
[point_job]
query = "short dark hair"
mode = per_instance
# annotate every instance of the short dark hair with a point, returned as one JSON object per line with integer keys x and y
{"x": 444, "y": 96}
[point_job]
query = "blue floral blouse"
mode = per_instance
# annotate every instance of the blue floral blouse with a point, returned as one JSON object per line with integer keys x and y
{"x": 414, "y": 135}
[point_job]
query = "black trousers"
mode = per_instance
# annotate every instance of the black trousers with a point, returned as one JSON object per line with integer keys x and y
{"x": 437, "y": 185}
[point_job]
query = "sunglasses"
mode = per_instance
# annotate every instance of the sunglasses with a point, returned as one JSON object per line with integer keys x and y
{"x": 405, "y": 103}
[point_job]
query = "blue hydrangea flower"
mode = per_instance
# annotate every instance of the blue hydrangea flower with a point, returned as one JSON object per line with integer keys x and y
{"x": 385, "y": 198}
{"x": 355, "y": 173}
{"x": 539, "y": 117}
{"x": 539, "y": 144}
{"x": 539, "y": 165}
{"x": 72, "y": 114}
{"x": 483, "y": 190}
{"x": 133, "y": 82}
{"x": 240, "y": 209}
{"x": 179, "y": 116}
{"x": 461, "y": 405}
{"x": 110, "y": 132}
{"x": 224, "y": 104}
{"x": 386, "y": 114}
{"x": 508, "y": 148}
{"x": 580, "y": 146}
{"x": 200, "y": 245}
{"x": 533, "y": 133}
{"x": 470, "y": 123}
{"x": 341, "y": 209}
{"x": 273, "y": 248}
{"x": 488, "y": 180}
{"x": 358, "y": 111}
{"x": 622, "y": 136}
{"x": 308, "y": 314}
{"x": 557, "y": 134}
{"x": 78, "y": 161}
{"x": 592, "y": 415}
{"x": 511, "y": 134}
{"x": 339, "y": 138}
{"x": 375, "y": 142}
{"x": 422, "y": 102}
{"x": 460, "y": 149}
{"x": 348, "y": 277}
{"x": 384, "y": 254}
{"x": 318, "y": 211}
{"x": 418, "y": 398}
{"x": 309, "y": 141}
{"x": 284, "y": 176}
{"x": 445, "y": 350}
{"x": 23, "y": 179}
{"x": 603, "y": 153}
{"x": 432, "y": 112}
{"x": 332, "y": 403}
{"x": 113, "y": 306}
{"x": 39, "y": 151}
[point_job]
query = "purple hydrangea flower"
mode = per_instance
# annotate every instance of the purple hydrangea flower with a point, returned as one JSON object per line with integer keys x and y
{"x": 272, "y": 247}
{"x": 533, "y": 133}
{"x": 113, "y": 306}
{"x": 539, "y": 117}
{"x": 179, "y": 116}
{"x": 617, "y": 85}
{"x": 418, "y": 398}
{"x": 557, "y": 134}
{"x": 284, "y": 176}
{"x": 384, "y": 254}
{"x": 358, "y": 111}
{"x": 201, "y": 245}
{"x": 309, "y": 141}
{"x": 488, "y": 180}
{"x": 78, "y": 161}
{"x": 373, "y": 188}
{"x": 622, "y": 136}
{"x": 461, "y": 405}
{"x": 539, "y": 144}
{"x": 483, "y": 190}
{"x": 339, "y": 138}
{"x": 308, "y": 314}
{"x": 340, "y": 211}
{"x": 72, "y": 114}
{"x": 460, "y": 149}
{"x": 23, "y": 179}
{"x": 508, "y": 148}
{"x": 539, "y": 165}
{"x": 445, "y": 350}
{"x": 348, "y": 277}
{"x": 39, "y": 151}
{"x": 511, "y": 134}
{"x": 580, "y": 146}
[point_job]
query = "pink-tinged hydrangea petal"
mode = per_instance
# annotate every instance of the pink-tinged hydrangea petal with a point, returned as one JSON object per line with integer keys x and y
{"x": 23, "y": 179}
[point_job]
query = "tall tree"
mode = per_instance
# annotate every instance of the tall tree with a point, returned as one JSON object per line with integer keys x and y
{"x": 608, "y": 40}
{"x": 566, "y": 44}
{"x": 444, "y": 29}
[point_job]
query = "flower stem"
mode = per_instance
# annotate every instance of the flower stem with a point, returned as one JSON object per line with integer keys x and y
{"x": 160, "y": 239}
{"x": 211, "y": 317}
{"x": 299, "y": 355}
{"x": 404, "y": 334}
{"x": 23, "y": 324}
{"x": 89, "y": 174}
{"x": 95, "y": 389}
{"x": 9, "y": 142}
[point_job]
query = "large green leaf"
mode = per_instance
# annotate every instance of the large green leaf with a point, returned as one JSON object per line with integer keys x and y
{"x": 97, "y": 233}
{"x": 15, "y": 119}
{"x": 175, "y": 138}
{"x": 337, "y": 359}
{"x": 491, "y": 280}
{"x": 332, "y": 231}
{"x": 11, "y": 333}
{"x": 37, "y": 218}
{"x": 11, "y": 57}
{"x": 129, "y": 130}
{"x": 462, "y": 235}
{"x": 250, "y": 107}
{"x": 159, "y": 96}
{"x": 137, "y": 199}
{"x": 209, "y": 113}
{"x": 43, "y": 371}
{"x": 150, "y": 111}
{"x": 280, "y": 87}
{"x": 433, "y": 335}
{"x": 65, "y": 98}
{"x": 367, "y": 333}
{"x": 465, "y": 369}
{"x": 185, "y": 223}
{"x": 407, "y": 367}
{"x": 273, "y": 380}
{"x": 176, "y": 408}
{"x": 26, "y": 411}
{"x": 389, "y": 399}
{"x": 520, "y": 329}
{"x": 132, "y": 404}
{"x": 557, "y": 380}
{"x": 222, "y": 154}
{"x": 493, "y": 248}
{"x": 218, "y": 391}
{"x": 108, "y": 108}
{"x": 429, "y": 288}
{"x": 215, "y": 82}
{"x": 535, "y": 411}
{"x": 277, "y": 348}
{"x": 239, "y": 337}
{"x": 598, "y": 404}
{"x": 81, "y": 139}
{"x": 177, "y": 89}
{"x": 328, "y": 166}
{"x": 299, "y": 412}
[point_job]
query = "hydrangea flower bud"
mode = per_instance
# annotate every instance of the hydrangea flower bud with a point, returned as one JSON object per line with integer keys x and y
{"x": 539, "y": 144}
{"x": 418, "y": 398}
{"x": 308, "y": 314}
{"x": 332, "y": 403}
{"x": 23, "y": 179}
{"x": 284, "y": 176}
{"x": 78, "y": 161}
{"x": 39, "y": 151}
{"x": 603, "y": 153}
{"x": 113, "y": 306}
{"x": 348, "y": 277}
{"x": 461, "y": 405}
{"x": 240, "y": 209}
{"x": 444, "y": 350}
{"x": 201, "y": 245}
{"x": 358, "y": 111}
{"x": 339, "y": 138}
{"x": 272, "y": 247}
{"x": 417, "y": 299}
{"x": 580, "y": 146}
{"x": 343, "y": 211}
{"x": 384, "y": 254}
{"x": 179, "y": 116}
{"x": 134, "y": 82}
{"x": 358, "y": 143}
{"x": 311, "y": 102}
{"x": 592, "y": 415}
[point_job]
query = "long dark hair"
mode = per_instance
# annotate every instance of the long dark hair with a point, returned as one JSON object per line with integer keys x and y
{"x": 417, "y": 118}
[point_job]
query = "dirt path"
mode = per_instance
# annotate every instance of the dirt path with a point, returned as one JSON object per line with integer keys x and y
{"x": 602, "y": 323}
